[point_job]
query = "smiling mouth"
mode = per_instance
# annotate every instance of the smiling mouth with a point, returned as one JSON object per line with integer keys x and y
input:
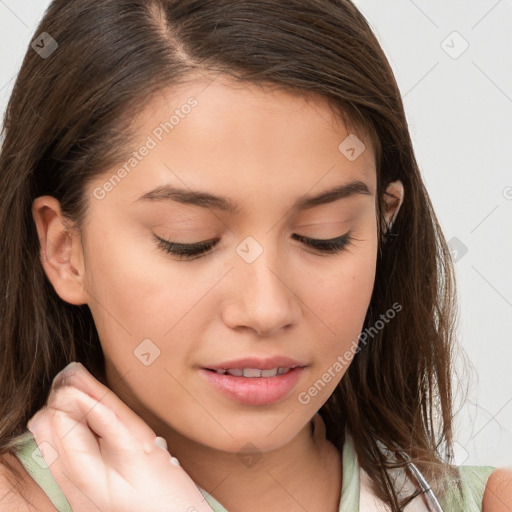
{"x": 254, "y": 386}
{"x": 252, "y": 372}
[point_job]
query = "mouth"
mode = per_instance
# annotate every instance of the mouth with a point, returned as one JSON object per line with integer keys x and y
{"x": 252, "y": 373}
{"x": 253, "y": 386}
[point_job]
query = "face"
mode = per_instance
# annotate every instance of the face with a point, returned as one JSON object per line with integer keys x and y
{"x": 263, "y": 287}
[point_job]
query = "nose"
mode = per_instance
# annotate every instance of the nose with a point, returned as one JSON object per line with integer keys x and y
{"x": 263, "y": 298}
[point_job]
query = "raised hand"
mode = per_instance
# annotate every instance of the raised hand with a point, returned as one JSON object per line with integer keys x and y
{"x": 107, "y": 459}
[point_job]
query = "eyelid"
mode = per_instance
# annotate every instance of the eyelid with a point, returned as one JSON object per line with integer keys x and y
{"x": 324, "y": 246}
{"x": 320, "y": 240}
{"x": 181, "y": 249}
{"x": 330, "y": 245}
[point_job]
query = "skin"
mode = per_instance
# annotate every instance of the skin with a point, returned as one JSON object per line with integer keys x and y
{"x": 262, "y": 149}
{"x": 498, "y": 491}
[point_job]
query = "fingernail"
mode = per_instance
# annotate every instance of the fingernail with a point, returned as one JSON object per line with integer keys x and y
{"x": 63, "y": 373}
{"x": 175, "y": 461}
{"x": 161, "y": 442}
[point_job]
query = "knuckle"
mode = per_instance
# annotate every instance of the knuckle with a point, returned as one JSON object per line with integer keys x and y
{"x": 63, "y": 398}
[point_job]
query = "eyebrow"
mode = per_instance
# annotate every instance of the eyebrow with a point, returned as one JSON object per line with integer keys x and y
{"x": 207, "y": 200}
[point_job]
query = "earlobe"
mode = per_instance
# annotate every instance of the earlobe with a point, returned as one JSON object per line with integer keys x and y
{"x": 61, "y": 251}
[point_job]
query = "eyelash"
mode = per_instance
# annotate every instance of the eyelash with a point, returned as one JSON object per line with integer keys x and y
{"x": 188, "y": 251}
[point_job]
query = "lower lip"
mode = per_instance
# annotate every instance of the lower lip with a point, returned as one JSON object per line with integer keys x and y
{"x": 254, "y": 390}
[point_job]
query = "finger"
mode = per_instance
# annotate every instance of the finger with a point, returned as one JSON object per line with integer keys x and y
{"x": 80, "y": 378}
{"x": 39, "y": 426}
{"x": 108, "y": 438}
{"x": 85, "y": 420}
{"x": 48, "y": 455}
{"x": 84, "y": 413}
{"x": 90, "y": 442}
{"x": 77, "y": 425}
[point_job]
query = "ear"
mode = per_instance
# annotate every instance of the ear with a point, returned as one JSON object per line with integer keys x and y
{"x": 393, "y": 197}
{"x": 61, "y": 251}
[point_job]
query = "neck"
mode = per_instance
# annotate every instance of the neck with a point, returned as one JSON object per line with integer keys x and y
{"x": 304, "y": 474}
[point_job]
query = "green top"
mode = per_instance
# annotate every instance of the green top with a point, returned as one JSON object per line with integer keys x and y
{"x": 473, "y": 481}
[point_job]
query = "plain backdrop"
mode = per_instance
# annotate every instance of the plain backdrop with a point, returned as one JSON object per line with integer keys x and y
{"x": 453, "y": 64}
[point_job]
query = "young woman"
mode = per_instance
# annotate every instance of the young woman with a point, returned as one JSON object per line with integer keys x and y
{"x": 214, "y": 207}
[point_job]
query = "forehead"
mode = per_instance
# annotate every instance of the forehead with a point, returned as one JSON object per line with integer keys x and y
{"x": 225, "y": 137}
{"x": 226, "y": 101}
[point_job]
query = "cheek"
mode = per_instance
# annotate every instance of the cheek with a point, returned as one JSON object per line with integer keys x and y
{"x": 339, "y": 298}
{"x": 340, "y": 290}
{"x": 136, "y": 295}
{"x": 140, "y": 308}
{"x": 133, "y": 283}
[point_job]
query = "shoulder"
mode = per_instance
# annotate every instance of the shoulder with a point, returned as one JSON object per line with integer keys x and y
{"x": 498, "y": 491}
{"x": 10, "y": 497}
{"x": 20, "y": 495}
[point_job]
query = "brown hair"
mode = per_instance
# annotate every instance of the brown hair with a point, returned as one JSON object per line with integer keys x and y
{"x": 66, "y": 124}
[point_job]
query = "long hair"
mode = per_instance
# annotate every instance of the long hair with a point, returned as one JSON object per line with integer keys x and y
{"x": 67, "y": 122}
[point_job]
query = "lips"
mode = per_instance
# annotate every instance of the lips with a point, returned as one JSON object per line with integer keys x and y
{"x": 254, "y": 363}
{"x": 254, "y": 380}
{"x": 253, "y": 391}
{"x": 253, "y": 372}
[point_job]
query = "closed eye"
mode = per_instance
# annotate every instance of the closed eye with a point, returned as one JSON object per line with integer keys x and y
{"x": 332, "y": 245}
{"x": 189, "y": 251}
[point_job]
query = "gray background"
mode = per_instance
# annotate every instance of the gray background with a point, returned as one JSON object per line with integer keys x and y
{"x": 459, "y": 107}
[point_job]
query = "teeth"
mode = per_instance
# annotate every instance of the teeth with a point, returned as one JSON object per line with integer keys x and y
{"x": 253, "y": 372}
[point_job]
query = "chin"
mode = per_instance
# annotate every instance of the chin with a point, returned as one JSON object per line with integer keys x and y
{"x": 250, "y": 442}
{"x": 251, "y": 434}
